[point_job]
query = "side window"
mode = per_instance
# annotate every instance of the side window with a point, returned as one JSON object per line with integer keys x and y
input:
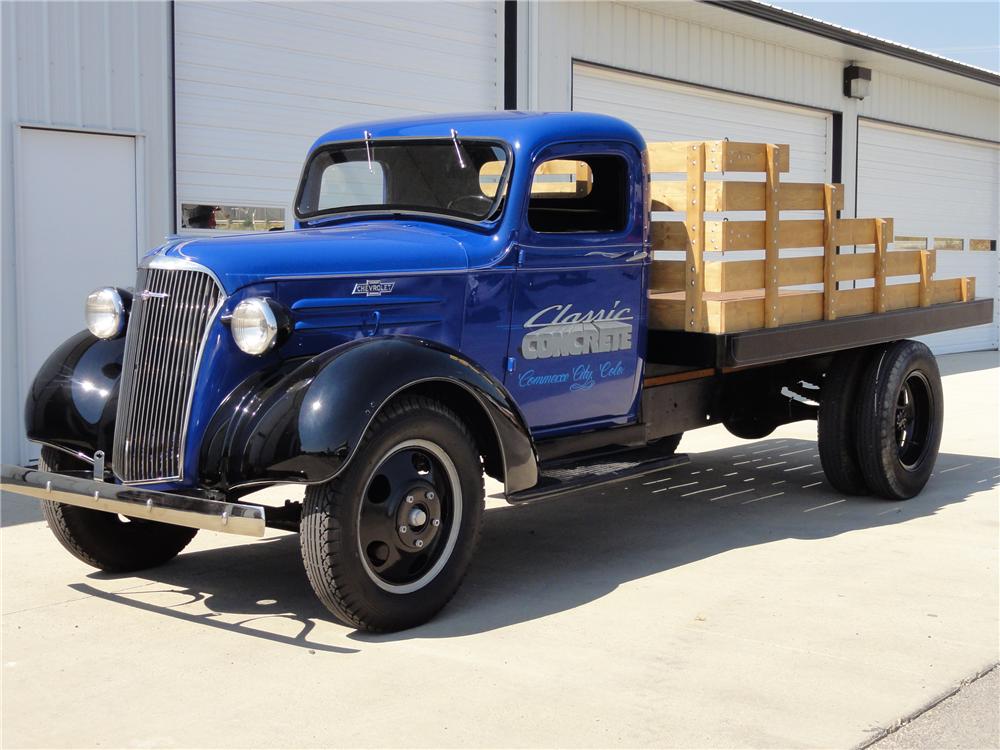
{"x": 589, "y": 194}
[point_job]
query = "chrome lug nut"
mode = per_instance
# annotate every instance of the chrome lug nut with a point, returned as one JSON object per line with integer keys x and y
{"x": 436, "y": 522}
{"x": 430, "y": 495}
{"x": 419, "y": 543}
{"x": 409, "y": 498}
{"x": 403, "y": 529}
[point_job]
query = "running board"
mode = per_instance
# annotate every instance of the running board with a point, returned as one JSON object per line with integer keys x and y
{"x": 561, "y": 476}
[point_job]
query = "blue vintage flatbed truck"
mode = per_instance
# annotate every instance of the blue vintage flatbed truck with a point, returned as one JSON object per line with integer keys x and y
{"x": 478, "y": 293}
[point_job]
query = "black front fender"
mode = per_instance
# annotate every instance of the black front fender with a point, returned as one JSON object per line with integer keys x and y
{"x": 73, "y": 399}
{"x": 303, "y": 422}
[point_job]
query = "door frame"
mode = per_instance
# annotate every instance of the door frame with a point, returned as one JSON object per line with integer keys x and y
{"x": 17, "y": 197}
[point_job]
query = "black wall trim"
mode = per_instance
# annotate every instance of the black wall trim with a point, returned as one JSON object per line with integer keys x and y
{"x": 173, "y": 116}
{"x": 837, "y": 157}
{"x": 854, "y": 39}
{"x": 838, "y": 117}
{"x": 510, "y": 54}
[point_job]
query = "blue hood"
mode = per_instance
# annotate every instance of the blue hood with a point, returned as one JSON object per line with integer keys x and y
{"x": 355, "y": 249}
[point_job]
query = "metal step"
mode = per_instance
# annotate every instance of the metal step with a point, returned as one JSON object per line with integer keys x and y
{"x": 567, "y": 475}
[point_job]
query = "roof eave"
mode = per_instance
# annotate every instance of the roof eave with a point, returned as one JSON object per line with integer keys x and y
{"x": 854, "y": 39}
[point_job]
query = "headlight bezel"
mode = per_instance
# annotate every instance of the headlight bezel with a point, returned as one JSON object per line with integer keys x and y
{"x": 266, "y": 315}
{"x": 116, "y": 303}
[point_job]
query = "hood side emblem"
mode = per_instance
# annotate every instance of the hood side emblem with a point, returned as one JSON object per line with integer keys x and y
{"x": 374, "y": 288}
{"x": 146, "y": 294}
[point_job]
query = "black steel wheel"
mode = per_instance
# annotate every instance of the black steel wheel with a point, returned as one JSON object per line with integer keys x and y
{"x": 837, "y": 422}
{"x": 108, "y": 541}
{"x": 900, "y": 417}
{"x": 387, "y": 542}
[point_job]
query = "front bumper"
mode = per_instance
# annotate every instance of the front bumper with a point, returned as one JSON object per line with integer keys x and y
{"x": 134, "y": 502}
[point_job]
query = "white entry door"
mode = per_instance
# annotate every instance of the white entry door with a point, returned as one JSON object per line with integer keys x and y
{"x": 76, "y": 230}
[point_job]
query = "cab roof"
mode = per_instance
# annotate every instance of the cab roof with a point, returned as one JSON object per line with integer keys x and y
{"x": 525, "y": 130}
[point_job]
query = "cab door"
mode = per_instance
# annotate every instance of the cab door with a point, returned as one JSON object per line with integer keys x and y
{"x": 577, "y": 338}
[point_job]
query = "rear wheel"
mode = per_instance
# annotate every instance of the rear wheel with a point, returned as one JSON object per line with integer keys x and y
{"x": 108, "y": 541}
{"x": 387, "y": 542}
{"x": 837, "y": 422}
{"x": 900, "y": 419}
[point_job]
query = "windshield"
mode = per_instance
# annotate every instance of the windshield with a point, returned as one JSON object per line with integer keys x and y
{"x": 454, "y": 177}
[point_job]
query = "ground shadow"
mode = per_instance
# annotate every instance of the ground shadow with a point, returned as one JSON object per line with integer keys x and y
{"x": 536, "y": 560}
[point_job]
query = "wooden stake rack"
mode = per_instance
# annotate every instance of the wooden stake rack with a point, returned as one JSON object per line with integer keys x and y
{"x": 731, "y": 294}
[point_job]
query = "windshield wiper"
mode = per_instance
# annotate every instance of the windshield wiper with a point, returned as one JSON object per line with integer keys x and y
{"x": 458, "y": 148}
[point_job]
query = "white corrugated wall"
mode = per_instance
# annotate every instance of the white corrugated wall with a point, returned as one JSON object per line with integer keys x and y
{"x": 101, "y": 66}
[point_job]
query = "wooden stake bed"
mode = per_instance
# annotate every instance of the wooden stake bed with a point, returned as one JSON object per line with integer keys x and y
{"x": 713, "y": 290}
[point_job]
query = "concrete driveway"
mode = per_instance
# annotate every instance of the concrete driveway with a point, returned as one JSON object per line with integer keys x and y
{"x": 733, "y": 602}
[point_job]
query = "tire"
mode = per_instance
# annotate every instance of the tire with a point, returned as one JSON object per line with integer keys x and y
{"x": 837, "y": 422}
{"x": 900, "y": 418}
{"x": 104, "y": 540}
{"x": 416, "y": 466}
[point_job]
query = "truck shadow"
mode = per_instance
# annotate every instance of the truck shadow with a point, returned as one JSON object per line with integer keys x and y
{"x": 540, "y": 559}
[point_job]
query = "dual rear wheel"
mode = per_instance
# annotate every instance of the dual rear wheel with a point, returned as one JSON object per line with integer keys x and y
{"x": 880, "y": 420}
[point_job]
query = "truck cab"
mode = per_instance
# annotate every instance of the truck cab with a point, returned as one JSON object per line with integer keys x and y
{"x": 461, "y": 294}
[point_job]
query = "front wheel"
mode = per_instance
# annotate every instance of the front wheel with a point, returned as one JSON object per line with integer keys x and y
{"x": 900, "y": 419}
{"x": 387, "y": 542}
{"x": 107, "y": 541}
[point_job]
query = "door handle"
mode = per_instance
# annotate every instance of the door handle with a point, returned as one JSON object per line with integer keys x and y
{"x": 637, "y": 257}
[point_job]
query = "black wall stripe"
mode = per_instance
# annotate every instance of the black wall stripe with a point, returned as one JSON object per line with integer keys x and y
{"x": 510, "y": 54}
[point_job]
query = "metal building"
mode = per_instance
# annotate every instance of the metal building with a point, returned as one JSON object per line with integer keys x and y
{"x": 120, "y": 119}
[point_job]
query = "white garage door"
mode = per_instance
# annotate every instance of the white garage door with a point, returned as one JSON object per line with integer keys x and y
{"x": 664, "y": 111}
{"x": 76, "y": 212}
{"x": 256, "y": 83}
{"x": 943, "y": 193}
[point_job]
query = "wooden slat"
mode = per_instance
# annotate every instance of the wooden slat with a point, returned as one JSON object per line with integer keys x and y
{"x": 743, "y": 311}
{"x": 667, "y": 276}
{"x": 881, "y": 244}
{"x": 925, "y": 278}
{"x": 772, "y": 187}
{"x": 668, "y": 195}
{"x": 749, "y": 196}
{"x": 746, "y": 157}
{"x": 829, "y": 255}
{"x": 694, "y": 277}
{"x": 720, "y": 156}
{"x": 749, "y": 235}
{"x": 668, "y": 235}
{"x": 858, "y": 231}
{"x": 737, "y": 275}
{"x": 668, "y": 156}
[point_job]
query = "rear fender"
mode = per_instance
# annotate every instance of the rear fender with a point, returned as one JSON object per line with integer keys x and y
{"x": 303, "y": 422}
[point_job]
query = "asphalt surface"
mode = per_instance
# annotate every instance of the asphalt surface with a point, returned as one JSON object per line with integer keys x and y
{"x": 734, "y": 602}
{"x": 968, "y": 719}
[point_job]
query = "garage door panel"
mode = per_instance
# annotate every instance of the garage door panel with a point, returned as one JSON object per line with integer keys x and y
{"x": 256, "y": 83}
{"x": 665, "y": 111}
{"x": 937, "y": 187}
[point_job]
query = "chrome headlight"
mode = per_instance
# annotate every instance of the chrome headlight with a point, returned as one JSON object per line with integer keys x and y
{"x": 255, "y": 325}
{"x": 105, "y": 312}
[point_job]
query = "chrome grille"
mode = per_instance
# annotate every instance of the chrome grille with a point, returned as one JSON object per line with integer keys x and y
{"x": 171, "y": 311}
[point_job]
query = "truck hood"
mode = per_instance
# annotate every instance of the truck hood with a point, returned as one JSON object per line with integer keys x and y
{"x": 356, "y": 249}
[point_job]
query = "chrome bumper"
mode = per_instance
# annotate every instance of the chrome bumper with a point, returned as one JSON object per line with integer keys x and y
{"x": 134, "y": 502}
